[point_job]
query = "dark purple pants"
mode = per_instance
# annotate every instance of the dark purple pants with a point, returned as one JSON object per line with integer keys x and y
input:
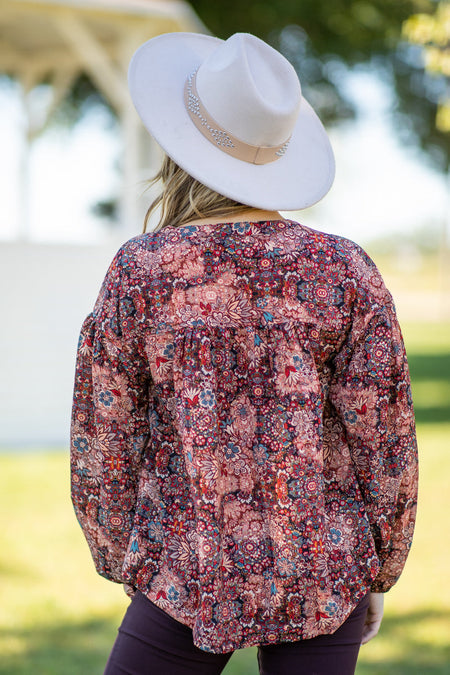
{"x": 150, "y": 642}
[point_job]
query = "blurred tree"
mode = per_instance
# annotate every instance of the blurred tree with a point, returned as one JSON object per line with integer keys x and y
{"x": 82, "y": 98}
{"x": 322, "y": 39}
{"x": 433, "y": 33}
{"x": 430, "y": 34}
{"x": 350, "y": 28}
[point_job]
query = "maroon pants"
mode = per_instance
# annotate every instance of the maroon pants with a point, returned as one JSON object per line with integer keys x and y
{"x": 150, "y": 642}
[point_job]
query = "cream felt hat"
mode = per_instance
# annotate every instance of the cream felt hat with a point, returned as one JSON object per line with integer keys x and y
{"x": 231, "y": 114}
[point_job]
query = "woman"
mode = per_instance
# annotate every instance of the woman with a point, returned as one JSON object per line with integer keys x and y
{"x": 243, "y": 446}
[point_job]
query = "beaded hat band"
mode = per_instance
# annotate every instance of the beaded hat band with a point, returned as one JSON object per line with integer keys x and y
{"x": 224, "y": 140}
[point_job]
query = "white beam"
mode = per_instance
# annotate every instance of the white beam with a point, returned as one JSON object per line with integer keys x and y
{"x": 179, "y": 13}
{"x": 13, "y": 61}
{"x": 94, "y": 58}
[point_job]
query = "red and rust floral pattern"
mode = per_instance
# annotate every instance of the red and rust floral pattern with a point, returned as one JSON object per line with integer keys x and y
{"x": 243, "y": 447}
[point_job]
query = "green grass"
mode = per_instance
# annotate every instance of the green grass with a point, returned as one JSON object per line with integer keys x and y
{"x": 58, "y": 617}
{"x": 428, "y": 348}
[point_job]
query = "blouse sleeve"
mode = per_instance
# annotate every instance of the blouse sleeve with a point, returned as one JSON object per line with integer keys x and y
{"x": 109, "y": 428}
{"x": 371, "y": 393}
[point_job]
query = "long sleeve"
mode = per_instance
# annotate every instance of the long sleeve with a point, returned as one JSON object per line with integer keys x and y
{"x": 371, "y": 393}
{"x": 109, "y": 429}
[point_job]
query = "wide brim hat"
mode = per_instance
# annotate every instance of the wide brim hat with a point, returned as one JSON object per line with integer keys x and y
{"x": 210, "y": 102}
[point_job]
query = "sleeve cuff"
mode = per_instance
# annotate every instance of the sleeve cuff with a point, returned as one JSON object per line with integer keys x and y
{"x": 382, "y": 584}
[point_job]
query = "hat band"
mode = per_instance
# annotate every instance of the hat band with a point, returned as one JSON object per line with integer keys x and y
{"x": 254, "y": 154}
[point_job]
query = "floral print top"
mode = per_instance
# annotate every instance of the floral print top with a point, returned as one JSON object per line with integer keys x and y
{"x": 243, "y": 448}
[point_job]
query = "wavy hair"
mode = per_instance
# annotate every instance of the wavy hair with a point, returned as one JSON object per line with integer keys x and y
{"x": 183, "y": 198}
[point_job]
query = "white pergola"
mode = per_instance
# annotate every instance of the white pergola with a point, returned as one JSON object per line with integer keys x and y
{"x": 57, "y": 40}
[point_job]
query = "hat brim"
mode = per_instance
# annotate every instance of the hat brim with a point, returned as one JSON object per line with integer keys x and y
{"x": 156, "y": 79}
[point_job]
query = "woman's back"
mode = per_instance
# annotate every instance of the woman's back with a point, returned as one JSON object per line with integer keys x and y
{"x": 262, "y": 495}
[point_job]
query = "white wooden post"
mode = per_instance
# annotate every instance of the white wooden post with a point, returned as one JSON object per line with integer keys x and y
{"x": 138, "y": 156}
{"x": 129, "y": 197}
{"x": 28, "y": 80}
{"x": 23, "y": 233}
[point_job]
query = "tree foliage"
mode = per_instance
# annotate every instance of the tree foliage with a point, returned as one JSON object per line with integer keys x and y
{"x": 322, "y": 39}
{"x": 432, "y": 31}
{"x": 350, "y": 28}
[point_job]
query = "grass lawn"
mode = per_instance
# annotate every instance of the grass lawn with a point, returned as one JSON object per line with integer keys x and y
{"x": 57, "y": 617}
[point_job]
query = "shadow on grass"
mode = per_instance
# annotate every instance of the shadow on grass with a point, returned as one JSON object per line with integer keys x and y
{"x": 58, "y": 649}
{"x": 430, "y": 368}
{"x": 432, "y": 415}
{"x": 410, "y": 644}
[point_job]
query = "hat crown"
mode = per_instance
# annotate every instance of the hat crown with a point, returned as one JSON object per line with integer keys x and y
{"x": 250, "y": 90}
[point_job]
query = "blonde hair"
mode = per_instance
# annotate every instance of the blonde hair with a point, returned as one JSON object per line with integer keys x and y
{"x": 183, "y": 198}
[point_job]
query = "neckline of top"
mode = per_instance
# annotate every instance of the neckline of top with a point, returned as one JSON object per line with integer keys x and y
{"x": 229, "y": 222}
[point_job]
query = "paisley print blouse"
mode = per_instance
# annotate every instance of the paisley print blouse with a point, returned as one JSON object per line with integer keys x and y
{"x": 243, "y": 448}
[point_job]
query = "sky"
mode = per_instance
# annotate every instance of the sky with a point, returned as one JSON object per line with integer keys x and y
{"x": 380, "y": 188}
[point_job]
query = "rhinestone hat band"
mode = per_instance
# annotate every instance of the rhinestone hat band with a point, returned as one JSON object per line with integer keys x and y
{"x": 254, "y": 154}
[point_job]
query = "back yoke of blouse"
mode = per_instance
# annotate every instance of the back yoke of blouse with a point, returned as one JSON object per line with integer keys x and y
{"x": 242, "y": 446}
